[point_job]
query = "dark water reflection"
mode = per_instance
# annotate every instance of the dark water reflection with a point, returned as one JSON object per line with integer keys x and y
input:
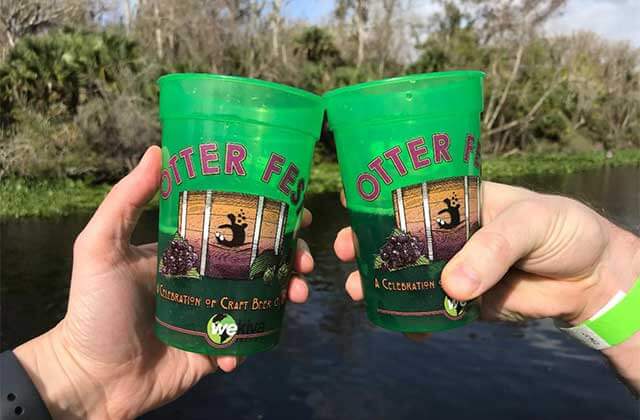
{"x": 332, "y": 363}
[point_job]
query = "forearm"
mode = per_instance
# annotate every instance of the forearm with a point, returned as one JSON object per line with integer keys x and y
{"x": 621, "y": 273}
{"x": 67, "y": 392}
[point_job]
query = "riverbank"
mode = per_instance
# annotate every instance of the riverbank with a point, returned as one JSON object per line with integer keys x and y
{"x": 58, "y": 198}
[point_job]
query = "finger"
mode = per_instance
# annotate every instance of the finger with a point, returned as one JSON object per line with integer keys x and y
{"x": 493, "y": 249}
{"x": 354, "y": 286}
{"x": 200, "y": 364}
{"x": 498, "y": 302}
{"x": 344, "y": 246}
{"x": 118, "y": 214}
{"x": 307, "y": 218}
{"x": 303, "y": 261}
{"x": 146, "y": 263}
{"x": 227, "y": 363}
{"x": 148, "y": 250}
{"x": 521, "y": 295}
{"x": 298, "y": 290}
{"x": 418, "y": 337}
{"x": 343, "y": 198}
{"x": 210, "y": 363}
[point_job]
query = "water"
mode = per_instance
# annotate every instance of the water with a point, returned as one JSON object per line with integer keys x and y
{"x": 332, "y": 363}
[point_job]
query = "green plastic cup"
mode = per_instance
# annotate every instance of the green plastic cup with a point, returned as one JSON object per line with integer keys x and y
{"x": 409, "y": 154}
{"x": 236, "y": 156}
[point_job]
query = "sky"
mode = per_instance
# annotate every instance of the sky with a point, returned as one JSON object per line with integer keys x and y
{"x": 613, "y": 19}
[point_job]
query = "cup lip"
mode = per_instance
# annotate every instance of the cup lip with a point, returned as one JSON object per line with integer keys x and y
{"x": 241, "y": 80}
{"x": 454, "y": 74}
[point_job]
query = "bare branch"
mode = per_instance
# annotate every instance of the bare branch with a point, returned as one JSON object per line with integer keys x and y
{"x": 507, "y": 88}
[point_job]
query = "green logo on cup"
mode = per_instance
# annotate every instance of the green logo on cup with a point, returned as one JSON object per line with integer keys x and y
{"x": 221, "y": 329}
{"x": 454, "y": 308}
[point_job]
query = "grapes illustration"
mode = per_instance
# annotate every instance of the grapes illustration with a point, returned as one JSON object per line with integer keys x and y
{"x": 178, "y": 258}
{"x": 401, "y": 250}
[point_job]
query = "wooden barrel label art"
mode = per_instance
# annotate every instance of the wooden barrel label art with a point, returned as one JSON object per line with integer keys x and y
{"x": 433, "y": 222}
{"x": 228, "y": 232}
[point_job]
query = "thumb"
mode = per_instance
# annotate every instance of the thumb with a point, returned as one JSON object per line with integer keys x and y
{"x": 492, "y": 250}
{"x": 115, "y": 219}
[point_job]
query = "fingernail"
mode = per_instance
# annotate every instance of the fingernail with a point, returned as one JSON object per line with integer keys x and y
{"x": 302, "y": 245}
{"x": 232, "y": 365}
{"x": 463, "y": 282}
{"x": 301, "y": 286}
{"x": 143, "y": 157}
{"x": 308, "y": 258}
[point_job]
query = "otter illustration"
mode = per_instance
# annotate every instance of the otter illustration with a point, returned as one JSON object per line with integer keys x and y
{"x": 237, "y": 231}
{"x": 453, "y": 209}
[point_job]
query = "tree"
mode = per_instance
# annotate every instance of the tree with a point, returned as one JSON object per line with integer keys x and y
{"x": 359, "y": 12}
{"x": 24, "y": 17}
{"x": 315, "y": 48}
{"x": 64, "y": 68}
{"x": 276, "y": 23}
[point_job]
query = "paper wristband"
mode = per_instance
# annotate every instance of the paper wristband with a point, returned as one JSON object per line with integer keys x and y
{"x": 615, "y": 323}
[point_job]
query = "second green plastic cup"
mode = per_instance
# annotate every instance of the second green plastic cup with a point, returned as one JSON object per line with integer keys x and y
{"x": 236, "y": 156}
{"x": 409, "y": 155}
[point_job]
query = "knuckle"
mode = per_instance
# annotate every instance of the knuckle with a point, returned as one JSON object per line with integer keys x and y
{"x": 80, "y": 244}
{"x": 538, "y": 207}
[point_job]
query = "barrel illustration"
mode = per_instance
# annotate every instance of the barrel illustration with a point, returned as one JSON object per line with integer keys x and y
{"x": 473, "y": 195}
{"x": 229, "y": 230}
{"x": 443, "y": 214}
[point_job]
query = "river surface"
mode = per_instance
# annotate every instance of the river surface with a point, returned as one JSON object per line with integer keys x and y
{"x": 332, "y": 363}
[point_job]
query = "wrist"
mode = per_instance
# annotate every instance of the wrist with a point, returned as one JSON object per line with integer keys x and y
{"x": 67, "y": 391}
{"x": 625, "y": 358}
{"x": 618, "y": 270}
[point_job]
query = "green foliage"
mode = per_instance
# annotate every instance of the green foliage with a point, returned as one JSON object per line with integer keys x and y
{"x": 75, "y": 104}
{"x": 508, "y": 168}
{"x": 324, "y": 177}
{"x": 41, "y": 148}
{"x": 576, "y": 92}
{"x": 118, "y": 129}
{"x": 322, "y": 65}
{"x": 80, "y": 103}
{"x": 316, "y": 45}
{"x": 19, "y": 198}
{"x": 454, "y": 44}
{"x": 65, "y": 67}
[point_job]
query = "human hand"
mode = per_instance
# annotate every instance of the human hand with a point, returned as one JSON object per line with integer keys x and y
{"x": 537, "y": 256}
{"x": 103, "y": 360}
